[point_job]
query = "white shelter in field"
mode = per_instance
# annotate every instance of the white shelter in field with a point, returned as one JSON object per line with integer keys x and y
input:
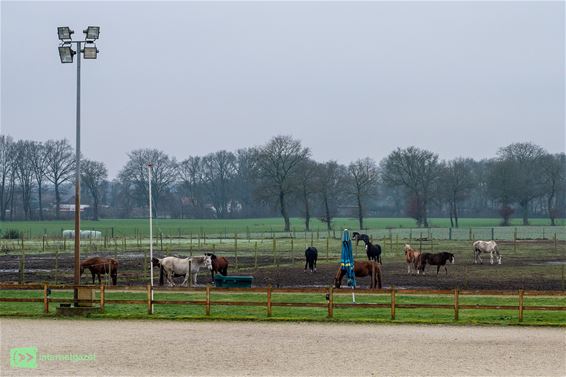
{"x": 85, "y": 234}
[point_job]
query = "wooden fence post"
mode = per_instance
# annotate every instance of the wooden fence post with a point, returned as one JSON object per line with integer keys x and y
{"x": 269, "y": 300}
{"x": 45, "y": 299}
{"x": 292, "y": 252}
{"x": 330, "y": 302}
{"x": 456, "y": 304}
{"x": 521, "y": 302}
{"x": 149, "y": 300}
{"x": 190, "y": 275}
{"x": 102, "y": 298}
{"x": 255, "y": 255}
{"x": 327, "y": 248}
{"x": 236, "y": 249}
{"x": 555, "y": 242}
{"x": 22, "y": 267}
{"x": 273, "y": 247}
{"x": 208, "y": 299}
{"x": 393, "y": 304}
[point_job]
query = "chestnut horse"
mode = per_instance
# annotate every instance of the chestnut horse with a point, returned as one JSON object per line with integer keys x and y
{"x": 219, "y": 265}
{"x": 411, "y": 258}
{"x": 101, "y": 266}
{"x": 362, "y": 269}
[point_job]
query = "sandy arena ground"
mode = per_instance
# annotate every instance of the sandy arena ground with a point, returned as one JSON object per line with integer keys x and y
{"x": 142, "y": 348}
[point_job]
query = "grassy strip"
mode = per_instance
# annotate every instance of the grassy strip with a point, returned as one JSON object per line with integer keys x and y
{"x": 173, "y": 227}
{"x": 284, "y": 313}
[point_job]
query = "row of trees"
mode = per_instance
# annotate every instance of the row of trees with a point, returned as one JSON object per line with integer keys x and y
{"x": 281, "y": 176}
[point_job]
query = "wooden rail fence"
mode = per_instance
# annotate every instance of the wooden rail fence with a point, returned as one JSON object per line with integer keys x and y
{"x": 330, "y": 294}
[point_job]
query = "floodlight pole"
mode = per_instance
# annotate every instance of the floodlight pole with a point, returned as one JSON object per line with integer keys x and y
{"x": 149, "y": 166}
{"x": 77, "y": 281}
{"x": 65, "y": 38}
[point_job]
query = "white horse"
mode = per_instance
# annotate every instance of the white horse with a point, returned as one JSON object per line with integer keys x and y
{"x": 486, "y": 247}
{"x": 180, "y": 266}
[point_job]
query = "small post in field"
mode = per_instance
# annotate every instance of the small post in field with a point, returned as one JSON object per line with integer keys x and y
{"x": 521, "y": 303}
{"x": 45, "y": 299}
{"x": 393, "y": 304}
{"x": 269, "y": 312}
{"x": 102, "y": 298}
{"x": 456, "y": 304}
{"x": 330, "y": 302}
{"x": 149, "y": 300}
{"x": 208, "y": 299}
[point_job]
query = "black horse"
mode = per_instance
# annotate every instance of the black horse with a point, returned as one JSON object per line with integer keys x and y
{"x": 360, "y": 236}
{"x": 311, "y": 255}
{"x": 438, "y": 259}
{"x": 373, "y": 251}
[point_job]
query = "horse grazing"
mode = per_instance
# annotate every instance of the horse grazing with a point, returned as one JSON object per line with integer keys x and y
{"x": 311, "y": 255}
{"x": 438, "y": 259}
{"x": 373, "y": 251}
{"x": 362, "y": 269}
{"x": 219, "y": 265}
{"x": 180, "y": 266}
{"x": 411, "y": 258}
{"x": 101, "y": 266}
{"x": 357, "y": 237}
{"x": 486, "y": 247}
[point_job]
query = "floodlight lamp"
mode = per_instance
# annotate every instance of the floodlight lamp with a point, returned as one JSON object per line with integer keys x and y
{"x": 66, "y": 54}
{"x": 92, "y": 33}
{"x": 90, "y": 52}
{"x": 64, "y": 33}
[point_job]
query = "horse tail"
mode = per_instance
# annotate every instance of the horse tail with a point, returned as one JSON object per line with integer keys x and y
{"x": 160, "y": 274}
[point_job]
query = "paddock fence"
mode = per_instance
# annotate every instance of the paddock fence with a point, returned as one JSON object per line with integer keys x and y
{"x": 390, "y": 296}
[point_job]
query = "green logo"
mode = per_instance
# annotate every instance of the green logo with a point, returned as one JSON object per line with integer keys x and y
{"x": 23, "y": 357}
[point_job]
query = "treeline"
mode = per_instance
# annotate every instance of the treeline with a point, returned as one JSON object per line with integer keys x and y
{"x": 281, "y": 178}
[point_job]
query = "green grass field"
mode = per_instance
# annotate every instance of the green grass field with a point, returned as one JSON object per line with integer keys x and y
{"x": 140, "y": 227}
{"x": 285, "y": 313}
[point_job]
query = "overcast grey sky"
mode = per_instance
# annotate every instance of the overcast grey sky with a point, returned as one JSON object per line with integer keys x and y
{"x": 350, "y": 80}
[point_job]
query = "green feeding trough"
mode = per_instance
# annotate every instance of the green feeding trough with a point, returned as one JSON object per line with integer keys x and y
{"x": 221, "y": 281}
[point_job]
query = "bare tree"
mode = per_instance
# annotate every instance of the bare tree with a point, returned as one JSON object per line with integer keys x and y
{"x": 7, "y": 174}
{"x": 190, "y": 175}
{"x": 418, "y": 171}
{"x": 93, "y": 176}
{"x": 24, "y": 173}
{"x": 456, "y": 182}
{"x": 330, "y": 182}
{"x": 363, "y": 180}
{"x": 38, "y": 158}
{"x": 218, "y": 171}
{"x": 278, "y": 162}
{"x": 60, "y": 167}
{"x": 134, "y": 176}
{"x": 245, "y": 179}
{"x": 554, "y": 172}
{"x": 305, "y": 187}
{"x": 526, "y": 161}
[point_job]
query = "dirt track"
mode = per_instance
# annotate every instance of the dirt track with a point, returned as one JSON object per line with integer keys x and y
{"x": 284, "y": 349}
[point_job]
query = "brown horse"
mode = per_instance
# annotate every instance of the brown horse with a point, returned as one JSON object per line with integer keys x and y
{"x": 362, "y": 269}
{"x": 99, "y": 265}
{"x": 411, "y": 258}
{"x": 219, "y": 265}
{"x": 438, "y": 259}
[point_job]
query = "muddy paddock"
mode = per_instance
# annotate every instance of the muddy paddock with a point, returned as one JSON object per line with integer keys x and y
{"x": 536, "y": 271}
